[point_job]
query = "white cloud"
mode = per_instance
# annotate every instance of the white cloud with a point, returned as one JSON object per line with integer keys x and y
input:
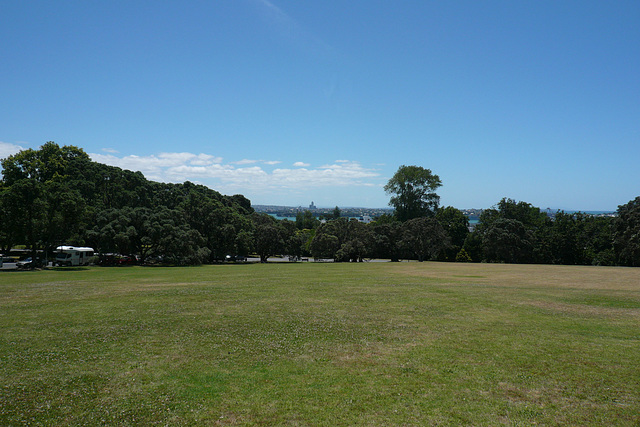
{"x": 7, "y": 149}
{"x": 253, "y": 162}
{"x": 244, "y": 176}
{"x": 110, "y": 150}
{"x": 245, "y": 162}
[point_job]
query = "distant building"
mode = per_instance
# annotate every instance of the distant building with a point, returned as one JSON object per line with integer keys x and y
{"x": 312, "y": 207}
{"x": 365, "y": 219}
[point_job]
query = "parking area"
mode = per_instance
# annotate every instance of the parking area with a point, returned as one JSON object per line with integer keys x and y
{"x": 11, "y": 265}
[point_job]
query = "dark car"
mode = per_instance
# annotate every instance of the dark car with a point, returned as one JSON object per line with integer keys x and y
{"x": 234, "y": 258}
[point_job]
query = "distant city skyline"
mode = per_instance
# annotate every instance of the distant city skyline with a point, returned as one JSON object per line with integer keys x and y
{"x": 285, "y": 101}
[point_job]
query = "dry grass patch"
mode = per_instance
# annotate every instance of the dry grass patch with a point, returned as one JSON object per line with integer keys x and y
{"x": 543, "y": 276}
{"x": 586, "y": 310}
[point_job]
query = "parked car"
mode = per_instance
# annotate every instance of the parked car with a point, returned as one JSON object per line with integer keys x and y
{"x": 234, "y": 258}
{"x": 128, "y": 260}
{"x": 28, "y": 263}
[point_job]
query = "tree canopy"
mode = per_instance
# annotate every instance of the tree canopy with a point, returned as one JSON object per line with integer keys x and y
{"x": 413, "y": 192}
{"x": 57, "y": 196}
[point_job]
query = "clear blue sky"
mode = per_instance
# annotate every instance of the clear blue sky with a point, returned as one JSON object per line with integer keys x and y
{"x": 290, "y": 101}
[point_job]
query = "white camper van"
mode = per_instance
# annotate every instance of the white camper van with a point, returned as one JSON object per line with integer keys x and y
{"x": 73, "y": 255}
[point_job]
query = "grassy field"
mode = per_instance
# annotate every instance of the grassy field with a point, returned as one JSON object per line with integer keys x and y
{"x": 321, "y": 344}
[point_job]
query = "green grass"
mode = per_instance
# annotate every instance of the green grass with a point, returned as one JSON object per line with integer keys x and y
{"x": 321, "y": 344}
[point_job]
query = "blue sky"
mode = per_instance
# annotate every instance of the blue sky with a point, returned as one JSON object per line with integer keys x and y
{"x": 289, "y": 102}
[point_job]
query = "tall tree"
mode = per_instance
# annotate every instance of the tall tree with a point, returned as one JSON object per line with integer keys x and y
{"x": 43, "y": 207}
{"x": 627, "y": 233}
{"x": 413, "y": 190}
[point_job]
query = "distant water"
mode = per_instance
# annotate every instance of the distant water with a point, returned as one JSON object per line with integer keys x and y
{"x": 476, "y": 221}
{"x": 290, "y": 218}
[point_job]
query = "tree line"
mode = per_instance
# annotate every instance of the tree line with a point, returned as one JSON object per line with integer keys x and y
{"x": 57, "y": 196}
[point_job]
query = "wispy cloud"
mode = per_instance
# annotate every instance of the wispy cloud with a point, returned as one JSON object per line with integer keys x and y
{"x": 252, "y": 162}
{"x": 301, "y": 164}
{"x": 245, "y": 162}
{"x": 288, "y": 28}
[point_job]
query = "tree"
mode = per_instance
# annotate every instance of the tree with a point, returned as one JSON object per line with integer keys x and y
{"x": 424, "y": 238}
{"x": 513, "y": 232}
{"x": 324, "y": 245}
{"x": 473, "y": 246}
{"x": 563, "y": 239}
{"x": 306, "y": 220}
{"x": 42, "y": 207}
{"x": 57, "y": 195}
{"x": 413, "y": 189}
{"x": 463, "y": 256}
{"x": 25, "y": 205}
{"x": 508, "y": 240}
{"x": 356, "y": 243}
{"x": 341, "y": 239}
{"x": 627, "y": 233}
{"x": 456, "y": 224}
{"x": 336, "y": 213}
{"x": 168, "y": 235}
{"x": 386, "y": 237}
{"x": 269, "y": 236}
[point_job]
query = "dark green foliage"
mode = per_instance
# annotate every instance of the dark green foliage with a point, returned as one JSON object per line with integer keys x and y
{"x": 627, "y": 233}
{"x": 170, "y": 237}
{"x": 342, "y": 240}
{"x": 269, "y": 236}
{"x": 325, "y": 245}
{"x": 57, "y": 195}
{"x": 413, "y": 189}
{"x": 336, "y": 213}
{"x": 508, "y": 240}
{"x": 511, "y": 232}
{"x": 456, "y": 225}
{"x": 473, "y": 246}
{"x": 306, "y": 220}
{"x": 517, "y": 232}
{"x": 424, "y": 238}
{"x": 577, "y": 239}
{"x": 386, "y": 237}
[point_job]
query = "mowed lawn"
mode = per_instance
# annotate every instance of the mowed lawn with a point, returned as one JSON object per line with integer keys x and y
{"x": 321, "y": 344}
